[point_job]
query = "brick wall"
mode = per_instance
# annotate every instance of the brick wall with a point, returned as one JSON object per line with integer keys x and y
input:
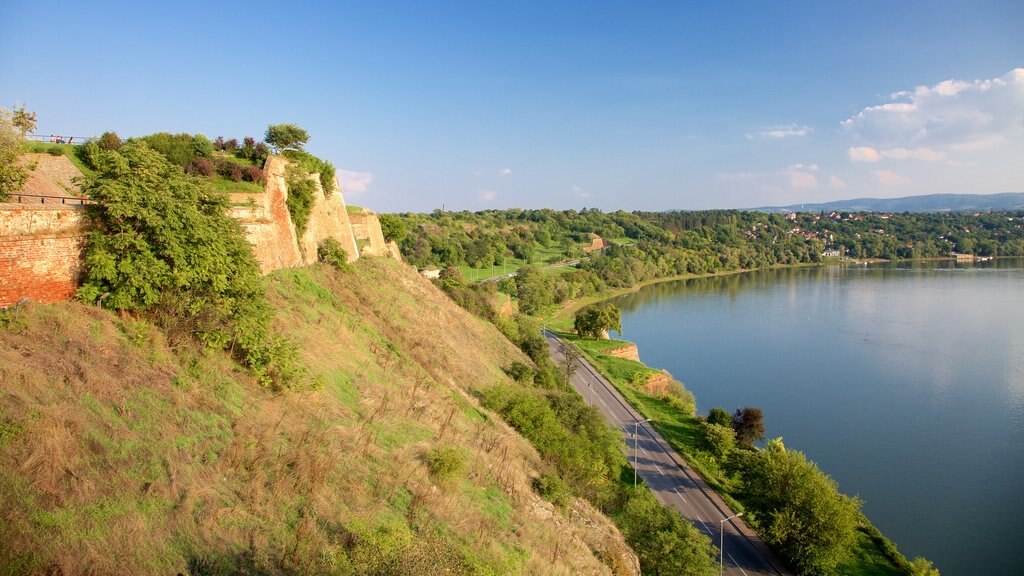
{"x": 40, "y": 252}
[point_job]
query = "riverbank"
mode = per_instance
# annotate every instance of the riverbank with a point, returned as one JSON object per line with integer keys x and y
{"x": 872, "y": 552}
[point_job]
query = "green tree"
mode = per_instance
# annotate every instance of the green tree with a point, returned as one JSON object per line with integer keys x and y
{"x": 393, "y": 227}
{"x": 595, "y": 320}
{"x": 23, "y": 120}
{"x": 163, "y": 244}
{"x": 533, "y": 290}
{"x": 748, "y": 423}
{"x": 719, "y": 440}
{"x": 12, "y": 174}
{"x": 719, "y": 416}
{"x": 286, "y": 137}
{"x": 800, "y": 509}
{"x": 664, "y": 542}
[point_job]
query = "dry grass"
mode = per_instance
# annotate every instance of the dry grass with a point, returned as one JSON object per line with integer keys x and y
{"x": 120, "y": 455}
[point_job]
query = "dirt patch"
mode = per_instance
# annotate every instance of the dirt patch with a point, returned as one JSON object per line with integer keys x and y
{"x": 52, "y": 176}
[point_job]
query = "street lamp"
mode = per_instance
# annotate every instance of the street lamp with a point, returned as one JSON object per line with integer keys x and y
{"x": 721, "y": 541}
{"x": 636, "y": 439}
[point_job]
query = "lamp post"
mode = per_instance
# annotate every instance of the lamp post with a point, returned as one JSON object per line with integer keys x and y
{"x": 636, "y": 440}
{"x": 721, "y": 541}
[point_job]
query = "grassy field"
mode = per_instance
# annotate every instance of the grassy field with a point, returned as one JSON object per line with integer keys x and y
{"x": 543, "y": 256}
{"x": 682, "y": 432}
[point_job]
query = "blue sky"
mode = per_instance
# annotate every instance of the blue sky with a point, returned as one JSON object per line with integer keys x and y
{"x": 613, "y": 105}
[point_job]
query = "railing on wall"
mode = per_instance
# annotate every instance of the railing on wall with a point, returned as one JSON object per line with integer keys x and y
{"x": 43, "y": 199}
{"x": 52, "y": 139}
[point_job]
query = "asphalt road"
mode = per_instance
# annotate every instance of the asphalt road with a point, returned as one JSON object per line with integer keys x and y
{"x": 671, "y": 480}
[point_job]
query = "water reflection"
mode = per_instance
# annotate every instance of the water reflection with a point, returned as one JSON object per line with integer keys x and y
{"x": 904, "y": 381}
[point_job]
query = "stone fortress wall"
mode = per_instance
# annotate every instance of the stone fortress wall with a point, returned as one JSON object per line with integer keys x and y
{"x": 41, "y": 244}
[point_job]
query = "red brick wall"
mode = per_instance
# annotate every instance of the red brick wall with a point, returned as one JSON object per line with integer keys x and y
{"x": 40, "y": 253}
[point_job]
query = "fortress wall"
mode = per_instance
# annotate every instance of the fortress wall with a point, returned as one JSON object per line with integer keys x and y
{"x": 366, "y": 228}
{"x": 40, "y": 252}
{"x": 328, "y": 219}
{"x": 268, "y": 227}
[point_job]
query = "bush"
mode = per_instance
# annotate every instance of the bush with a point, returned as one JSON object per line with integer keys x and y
{"x": 552, "y": 488}
{"x": 229, "y": 169}
{"x": 55, "y": 151}
{"x": 203, "y": 167}
{"x": 331, "y": 253}
{"x": 89, "y": 154}
{"x": 446, "y": 462}
{"x": 163, "y": 245}
{"x": 300, "y": 198}
{"x": 231, "y": 145}
{"x": 109, "y": 141}
{"x": 180, "y": 149}
{"x": 253, "y": 174}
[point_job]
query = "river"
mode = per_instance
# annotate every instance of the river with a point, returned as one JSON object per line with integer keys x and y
{"x": 903, "y": 381}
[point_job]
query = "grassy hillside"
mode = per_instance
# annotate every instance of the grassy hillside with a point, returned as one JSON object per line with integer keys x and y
{"x": 121, "y": 454}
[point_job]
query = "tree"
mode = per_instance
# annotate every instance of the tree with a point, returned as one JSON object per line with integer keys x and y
{"x": 595, "y": 320}
{"x": 663, "y": 541}
{"x": 286, "y": 137}
{"x": 23, "y": 120}
{"x": 719, "y": 440}
{"x": 719, "y": 416}
{"x": 800, "y": 509}
{"x": 12, "y": 175}
{"x": 162, "y": 244}
{"x": 533, "y": 290}
{"x": 748, "y": 423}
{"x": 392, "y": 227}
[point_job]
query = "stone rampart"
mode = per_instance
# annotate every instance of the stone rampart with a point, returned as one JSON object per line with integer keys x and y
{"x": 40, "y": 252}
{"x": 366, "y": 229}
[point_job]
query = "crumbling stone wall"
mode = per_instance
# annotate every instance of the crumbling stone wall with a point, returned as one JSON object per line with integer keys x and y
{"x": 40, "y": 252}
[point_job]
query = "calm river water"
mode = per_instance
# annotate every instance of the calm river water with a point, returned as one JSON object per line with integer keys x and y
{"x": 904, "y": 382}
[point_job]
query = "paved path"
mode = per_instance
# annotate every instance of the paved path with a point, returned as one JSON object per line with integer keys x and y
{"x": 671, "y": 480}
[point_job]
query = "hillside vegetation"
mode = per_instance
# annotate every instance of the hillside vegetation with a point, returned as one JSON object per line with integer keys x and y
{"x": 120, "y": 453}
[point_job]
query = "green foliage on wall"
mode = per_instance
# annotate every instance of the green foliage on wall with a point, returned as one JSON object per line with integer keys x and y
{"x": 163, "y": 245}
{"x": 300, "y": 197}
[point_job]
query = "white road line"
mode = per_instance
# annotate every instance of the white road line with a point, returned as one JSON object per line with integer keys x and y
{"x": 658, "y": 468}
{"x": 735, "y": 563}
{"x": 678, "y": 494}
{"x": 704, "y": 525}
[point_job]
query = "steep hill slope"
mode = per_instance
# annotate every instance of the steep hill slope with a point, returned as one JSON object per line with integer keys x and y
{"x": 121, "y": 454}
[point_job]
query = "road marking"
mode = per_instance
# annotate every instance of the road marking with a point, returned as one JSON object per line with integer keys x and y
{"x": 735, "y": 563}
{"x": 658, "y": 468}
{"x": 704, "y": 525}
{"x": 678, "y": 494}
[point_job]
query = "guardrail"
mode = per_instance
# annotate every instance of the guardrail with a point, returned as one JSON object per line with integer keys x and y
{"x": 52, "y": 139}
{"x": 43, "y": 199}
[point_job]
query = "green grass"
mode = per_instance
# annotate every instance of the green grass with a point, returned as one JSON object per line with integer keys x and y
{"x": 228, "y": 186}
{"x": 354, "y": 209}
{"x": 543, "y": 256}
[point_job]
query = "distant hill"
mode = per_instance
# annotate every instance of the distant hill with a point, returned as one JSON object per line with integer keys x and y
{"x": 926, "y": 203}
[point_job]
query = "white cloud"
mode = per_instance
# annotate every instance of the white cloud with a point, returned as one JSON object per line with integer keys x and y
{"x": 786, "y": 131}
{"x": 487, "y": 195}
{"x": 353, "y": 182}
{"x": 836, "y": 183}
{"x": 890, "y": 178}
{"x": 504, "y": 172}
{"x": 808, "y": 167}
{"x": 864, "y": 154}
{"x": 954, "y": 114}
{"x": 580, "y": 192}
{"x": 869, "y": 154}
{"x": 801, "y": 180}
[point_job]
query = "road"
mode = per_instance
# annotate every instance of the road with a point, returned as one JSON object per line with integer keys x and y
{"x": 671, "y": 480}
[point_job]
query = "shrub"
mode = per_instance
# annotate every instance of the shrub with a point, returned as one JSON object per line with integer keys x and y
{"x": 331, "y": 253}
{"x": 180, "y": 149}
{"x": 552, "y": 488}
{"x": 203, "y": 167}
{"x": 300, "y": 198}
{"x": 446, "y": 462}
{"x": 229, "y": 169}
{"x": 89, "y": 154}
{"x": 253, "y": 174}
{"x": 163, "y": 245}
{"x": 218, "y": 144}
{"x": 231, "y": 145}
{"x": 519, "y": 372}
{"x": 55, "y": 151}
{"x": 327, "y": 174}
{"x": 109, "y": 141}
